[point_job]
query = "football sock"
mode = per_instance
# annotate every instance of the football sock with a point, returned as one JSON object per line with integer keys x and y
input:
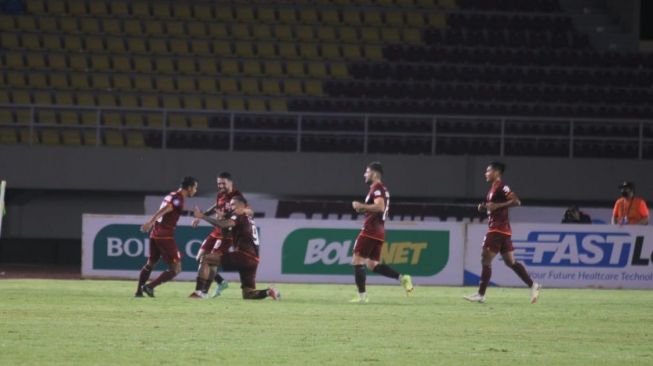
{"x": 219, "y": 279}
{"x": 384, "y": 270}
{"x": 521, "y": 272}
{"x": 143, "y": 277}
{"x": 255, "y": 294}
{"x": 200, "y": 284}
{"x": 486, "y": 274}
{"x": 360, "y": 276}
{"x": 165, "y": 276}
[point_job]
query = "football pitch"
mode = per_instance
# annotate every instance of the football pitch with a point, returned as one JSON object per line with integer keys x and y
{"x": 98, "y": 322}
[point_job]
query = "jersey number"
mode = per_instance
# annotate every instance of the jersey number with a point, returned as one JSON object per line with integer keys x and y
{"x": 254, "y": 232}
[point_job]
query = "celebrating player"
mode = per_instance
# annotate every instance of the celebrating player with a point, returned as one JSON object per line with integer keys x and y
{"x": 219, "y": 240}
{"x": 367, "y": 249}
{"x": 498, "y": 239}
{"x": 162, "y": 238}
{"x": 244, "y": 258}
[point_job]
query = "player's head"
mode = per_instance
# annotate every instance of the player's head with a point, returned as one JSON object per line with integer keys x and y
{"x": 494, "y": 171}
{"x": 225, "y": 183}
{"x": 239, "y": 204}
{"x": 189, "y": 184}
{"x": 373, "y": 172}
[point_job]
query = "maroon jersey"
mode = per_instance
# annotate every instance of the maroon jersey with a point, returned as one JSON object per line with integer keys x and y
{"x": 374, "y": 221}
{"x": 223, "y": 203}
{"x": 498, "y": 220}
{"x": 245, "y": 234}
{"x": 165, "y": 225}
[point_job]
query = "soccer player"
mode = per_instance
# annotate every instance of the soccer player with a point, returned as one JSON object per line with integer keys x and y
{"x": 498, "y": 239}
{"x": 367, "y": 249}
{"x": 244, "y": 258}
{"x": 162, "y": 238}
{"x": 219, "y": 240}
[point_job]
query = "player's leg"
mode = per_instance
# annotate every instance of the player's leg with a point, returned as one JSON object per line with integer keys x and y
{"x": 491, "y": 247}
{"x": 204, "y": 273}
{"x": 207, "y": 247}
{"x": 172, "y": 257}
{"x": 223, "y": 246}
{"x": 374, "y": 263}
{"x": 247, "y": 267}
{"x": 520, "y": 270}
{"x": 361, "y": 251}
{"x": 146, "y": 271}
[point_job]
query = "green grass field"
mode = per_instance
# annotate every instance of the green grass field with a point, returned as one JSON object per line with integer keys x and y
{"x": 98, "y": 322}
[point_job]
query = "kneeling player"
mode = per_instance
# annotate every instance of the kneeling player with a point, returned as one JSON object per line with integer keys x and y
{"x": 244, "y": 259}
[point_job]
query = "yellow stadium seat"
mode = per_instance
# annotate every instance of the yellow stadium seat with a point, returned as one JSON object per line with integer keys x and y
{"x": 197, "y": 29}
{"x": 308, "y": 16}
{"x": 48, "y": 117}
{"x": 35, "y": 6}
{"x": 181, "y": 10}
{"x": 330, "y": 17}
{"x": 8, "y": 136}
{"x": 265, "y": 50}
{"x": 9, "y": 40}
{"x": 405, "y": 3}
{"x": 79, "y": 81}
{"x": 448, "y": 4}
{"x": 158, "y": 45}
{"x": 42, "y": 97}
{"x": 119, "y": 8}
{"x": 113, "y": 139}
{"x": 287, "y": 50}
{"x": 21, "y": 97}
{"x": 116, "y": 45}
{"x": 186, "y": 66}
{"x": 155, "y": 120}
{"x": 374, "y": 53}
{"x": 36, "y": 60}
{"x": 136, "y": 45}
{"x": 73, "y": 43}
{"x": 229, "y": 67}
{"x": 351, "y": 17}
{"x": 135, "y": 139}
{"x": 390, "y": 35}
{"x": 292, "y": 87}
{"x": 262, "y": 31}
{"x": 370, "y": 35}
{"x": 415, "y": 19}
{"x": 175, "y": 28}
{"x": 16, "y": 79}
{"x": 331, "y": 52}
{"x": 98, "y": 62}
{"x": 224, "y": 13}
{"x": 23, "y": 116}
{"x": 106, "y": 100}
{"x": 14, "y": 60}
{"x": 412, "y": 36}
{"x": 56, "y": 7}
{"x": 143, "y": 83}
{"x": 245, "y": 14}
{"x": 4, "y": 97}
{"x": 149, "y": 101}
{"x": 256, "y": 105}
{"x": 235, "y": 104}
{"x": 348, "y": 35}
{"x": 112, "y": 119}
{"x": 228, "y": 86}
{"x": 47, "y": 24}
{"x": 200, "y": 47}
{"x": 295, "y": 69}
{"x": 372, "y": 18}
{"x": 90, "y": 25}
{"x": 132, "y": 27}
{"x": 94, "y": 44}
{"x": 37, "y": 80}
{"x": 154, "y": 28}
{"x": 437, "y": 20}
{"x": 273, "y": 68}
{"x": 179, "y": 46}
{"x": 241, "y": 31}
{"x": 313, "y": 88}
{"x": 165, "y": 65}
{"x": 27, "y": 137}
{"x": 50, "y": 137}
{"x": 351, "y": 52}
{"x": 213, "y": 103}
{"x": 171, "y": 101}
{"x": 207, "y": 66}
{"x": 89, "y": 118}
{"x": 161, "y": 9}
{"x": 164, "y": 84}
{"x": 30, "y": 41}
{"x": 278, "y": 105}
{"x": 305, "y": 33}
{"x": 177, "y": 121}
{"x": 111, "y": 26}
{"x": 326, "y": 34}
{"x": 192, "y": 102}
{"x": 394, "y": 18}
{"x": 186, "y": 84}
{"x": 283, "y": 32}
{"x": 122, "y": 82}
{"x": 101, "y": 81}
{"x": 250, "y": 86}
{"x": 98, "y": 8}
{"x": 245, "y": 49}
{"x": 287, "y": 16}
{"x": 338, "y": 70}
{"x": 71, "y": 138}
{"x": 90, "y": 138}
{"x": 121, "y": 63}
{"x": 134, "y": 120}
{"x": 128, "y": 101}
{"x": 266, "y": 15}
{"x": 68, "y": 118}
{"x": 7, "y": 23}
{"x": 141, "y": 9}
{"x": 77, "y": 7}
{"x": 309, "y": 51}
{"x": 86, "y": 99}
{"x": 317, "y": 70}
{"x": 251, "y": 68}
{"x": 271, "y": 87}
{"x": 63, "y": 98}
{"x": 199, "y": 122}
{"x": 222, "y": 49}
{"x": 26, "y": 23}
{"x": 206, "y": 85}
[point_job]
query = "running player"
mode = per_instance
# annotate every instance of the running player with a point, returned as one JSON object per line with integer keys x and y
{"x": 219, "y": 240}
{"x": 244, "y": 258}
{"x": 367, "y": 249}
{"x": 498, "y": 239}
{"x": 162, "y": 238}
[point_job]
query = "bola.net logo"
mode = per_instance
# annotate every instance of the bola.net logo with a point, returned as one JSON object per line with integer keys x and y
{"x": 582, "y": 249}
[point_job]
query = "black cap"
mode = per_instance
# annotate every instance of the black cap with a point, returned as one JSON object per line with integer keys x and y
{"x": 627, "y": 184}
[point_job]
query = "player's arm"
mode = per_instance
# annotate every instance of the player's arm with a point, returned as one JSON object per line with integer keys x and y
{"x": 207, "y": 212}
{"x": 219, "y": 222}
{"x": 377, "y": 206}
{"x": 146, "y": 227}
{"x": 643, "y": 211}
{"x": 511, "y": 201}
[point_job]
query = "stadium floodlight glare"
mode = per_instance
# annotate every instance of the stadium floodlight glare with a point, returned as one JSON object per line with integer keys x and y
{"x": 3, "y": 185}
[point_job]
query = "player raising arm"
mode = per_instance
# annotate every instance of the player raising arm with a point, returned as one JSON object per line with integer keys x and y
{"x": 498, "y": 239}
{"x": 244, "y": 258}
{"x": 367, "y": 249}
{"x": 162, "y": 238}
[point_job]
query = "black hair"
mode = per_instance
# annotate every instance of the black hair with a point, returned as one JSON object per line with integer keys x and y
{"x": 376, "y": 166}
{"x": 225, "y": 175}
{"x": 188, "y": 182}
{"x": 498, "y": 166}
{"x": 240, "y": 199}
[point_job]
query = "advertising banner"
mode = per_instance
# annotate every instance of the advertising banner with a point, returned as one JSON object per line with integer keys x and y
{"x": 291, "y": 250}
{"x": 599, "y": 256}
